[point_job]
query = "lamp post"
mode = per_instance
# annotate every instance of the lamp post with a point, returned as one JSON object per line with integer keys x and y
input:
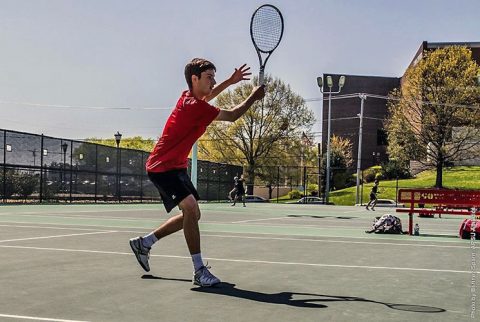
{"x": 118, "y": 138}
{"x": 64, "y": 149}
{"x": 341, "y": 83}
{"x": 363, "y": 97}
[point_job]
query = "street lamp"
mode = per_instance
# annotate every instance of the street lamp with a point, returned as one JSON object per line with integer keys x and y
{"x": 362, "y": 97}
{"x": 118, "y": 138}
{"x": 341, "y": 83}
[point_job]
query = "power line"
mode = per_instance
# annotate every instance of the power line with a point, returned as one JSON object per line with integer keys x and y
{"x": 56, "y": 106}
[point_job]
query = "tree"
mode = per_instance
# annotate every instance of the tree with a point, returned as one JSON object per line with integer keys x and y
{"x": 262, "y": 137}
{"x": 435, "y": 117}
{"x": 340, "y": 160}
{"x": 26, "y": 183}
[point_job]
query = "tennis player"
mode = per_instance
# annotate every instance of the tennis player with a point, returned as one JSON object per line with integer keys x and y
{"x": 167, "y": 163}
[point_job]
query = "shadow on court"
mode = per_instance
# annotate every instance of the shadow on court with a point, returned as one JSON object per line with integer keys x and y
{"x": 320, "y": 217}
{"x": 151, "y": 277}
{"x": 313, "y": 300}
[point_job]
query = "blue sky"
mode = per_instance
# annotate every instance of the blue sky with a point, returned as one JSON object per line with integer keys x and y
{"x": 71, "y": 55}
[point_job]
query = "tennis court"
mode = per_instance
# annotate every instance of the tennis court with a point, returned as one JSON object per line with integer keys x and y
{"x": 276, "y": 262}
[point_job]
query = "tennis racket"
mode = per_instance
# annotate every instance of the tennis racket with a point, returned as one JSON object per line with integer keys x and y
{"x": 266, "y": 30}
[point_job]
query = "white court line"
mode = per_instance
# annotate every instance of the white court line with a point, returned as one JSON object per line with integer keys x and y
{"x": 251, "y": 261}
{"x": 334, "y": 241}
{"x": 57, "y": 236}
{"x": 74, "y": 212}
{"x": 63, "y": 216}
{"x": 261, "y": 238}
{"x": 52, "y": 227}
{"x": 255, "y": 233}
{"x": 263, "y": 219}
{"x": 36, "y": 318}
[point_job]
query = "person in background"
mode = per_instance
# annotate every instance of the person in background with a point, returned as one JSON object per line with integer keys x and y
{"x": 240, "y": 195}
{"x": 373, "y": 196}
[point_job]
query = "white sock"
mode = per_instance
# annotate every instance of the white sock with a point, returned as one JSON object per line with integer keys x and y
{"x": 149, "y": 240}
{"x": 197, "y": 261}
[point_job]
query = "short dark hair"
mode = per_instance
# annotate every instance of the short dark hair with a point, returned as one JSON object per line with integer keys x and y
{"x": 196, "y": 67}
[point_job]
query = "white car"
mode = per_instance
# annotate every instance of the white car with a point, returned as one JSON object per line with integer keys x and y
{"x": 308, "y": 200}
{"x": 385, "y": 203}
{"x": 253, "y": 198}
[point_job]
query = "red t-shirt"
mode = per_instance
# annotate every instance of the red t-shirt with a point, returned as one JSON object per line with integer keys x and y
{"x": 187, "y": 122}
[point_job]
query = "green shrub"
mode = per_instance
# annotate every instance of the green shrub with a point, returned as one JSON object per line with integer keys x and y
{"x": 372, "y": 173}
{"x": 295, "y": 194}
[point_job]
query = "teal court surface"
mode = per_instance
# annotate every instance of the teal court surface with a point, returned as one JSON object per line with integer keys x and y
{"x": 277, "y": 262}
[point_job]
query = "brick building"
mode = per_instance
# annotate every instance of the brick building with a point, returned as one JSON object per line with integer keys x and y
{"x": 345, "y": 111}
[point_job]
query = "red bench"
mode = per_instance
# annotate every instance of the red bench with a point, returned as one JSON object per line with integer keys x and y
{"x": 443, "y": 201}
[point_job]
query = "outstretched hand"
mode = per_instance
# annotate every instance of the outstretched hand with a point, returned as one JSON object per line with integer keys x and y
{"x": 240, "y": 74}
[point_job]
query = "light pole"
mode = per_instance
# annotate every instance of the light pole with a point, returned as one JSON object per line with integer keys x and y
{"x": 363, "y": 97}
{"x": 118, "y": 138}
{"x": 341, "y": 82}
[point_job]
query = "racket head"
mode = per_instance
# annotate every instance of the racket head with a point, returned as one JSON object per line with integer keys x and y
{"x": 266, "y": 28}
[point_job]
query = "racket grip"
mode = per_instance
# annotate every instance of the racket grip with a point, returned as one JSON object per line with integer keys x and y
{"x": 261, "y": 77}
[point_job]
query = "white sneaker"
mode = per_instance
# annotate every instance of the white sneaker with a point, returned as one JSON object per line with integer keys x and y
{"x": 141, "y": 252}
{"x": 204, "y": 278}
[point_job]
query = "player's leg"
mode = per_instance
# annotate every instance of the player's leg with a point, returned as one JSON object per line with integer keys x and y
{"x": 374, "y": 203}
{"x": 191, "y": 215}
{"x": 171, "y": 189}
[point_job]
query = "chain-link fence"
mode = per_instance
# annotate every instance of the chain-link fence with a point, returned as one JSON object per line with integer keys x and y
{"x": 38, "y": 168}
{"x": 279, "y": 183}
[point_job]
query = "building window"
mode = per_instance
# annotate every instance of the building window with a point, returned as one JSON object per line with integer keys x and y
{"x": 381, "y": 137}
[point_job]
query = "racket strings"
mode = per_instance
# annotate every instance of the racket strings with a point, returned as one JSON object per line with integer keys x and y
{"x": 267, "y": 29}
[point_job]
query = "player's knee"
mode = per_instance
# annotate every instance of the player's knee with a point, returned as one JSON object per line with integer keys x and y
{"x": 190, "y": 208}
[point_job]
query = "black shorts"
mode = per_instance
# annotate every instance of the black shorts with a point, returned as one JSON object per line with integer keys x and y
{"x": 373, "y": 196}
{"x": 173, "y": 186}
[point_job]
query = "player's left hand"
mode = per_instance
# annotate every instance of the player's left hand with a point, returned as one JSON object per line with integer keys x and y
{"x": 240, "y": 74}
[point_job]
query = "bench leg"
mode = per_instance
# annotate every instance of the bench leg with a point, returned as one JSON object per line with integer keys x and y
{"x": 410, "y": 223}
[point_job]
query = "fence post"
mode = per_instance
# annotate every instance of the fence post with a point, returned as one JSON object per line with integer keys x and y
{"x": 396, "y": 192}
{"x": 71, "y": 170}
{"x": 361, "y": 194}
{"x": 141, "y": 179}
{"x": 41, "y": 170}
{"x": 4, "y": 166}
{"x": 119, "y": 171}
{"x": 278, "y": 181}
{"x": 305, "y": 183}
{"x": 96, "y": 172}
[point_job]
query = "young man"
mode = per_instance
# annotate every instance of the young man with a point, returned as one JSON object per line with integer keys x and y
{"x": 167, "y": 164}
{"x": 232, "y": 194}
{"x": 240, "y": 193}
{"x": 373, "y": 196}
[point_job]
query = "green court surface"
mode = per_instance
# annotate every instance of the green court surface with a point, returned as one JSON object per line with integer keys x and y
{"x": 277, "y": 262}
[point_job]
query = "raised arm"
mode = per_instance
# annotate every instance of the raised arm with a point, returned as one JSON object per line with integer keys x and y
{"x": 233, "y": 114}
{"x": 238, "y": 75}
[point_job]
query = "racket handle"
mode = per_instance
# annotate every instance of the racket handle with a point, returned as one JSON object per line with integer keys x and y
{"x": 261, "y": 77}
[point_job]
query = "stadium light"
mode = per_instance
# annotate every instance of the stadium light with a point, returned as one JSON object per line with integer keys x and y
{"x": 362, "y": 97}
{"x": 341, "y": 83}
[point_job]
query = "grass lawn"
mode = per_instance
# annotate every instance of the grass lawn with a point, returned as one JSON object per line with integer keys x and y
{"x": 455, "y": 177}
